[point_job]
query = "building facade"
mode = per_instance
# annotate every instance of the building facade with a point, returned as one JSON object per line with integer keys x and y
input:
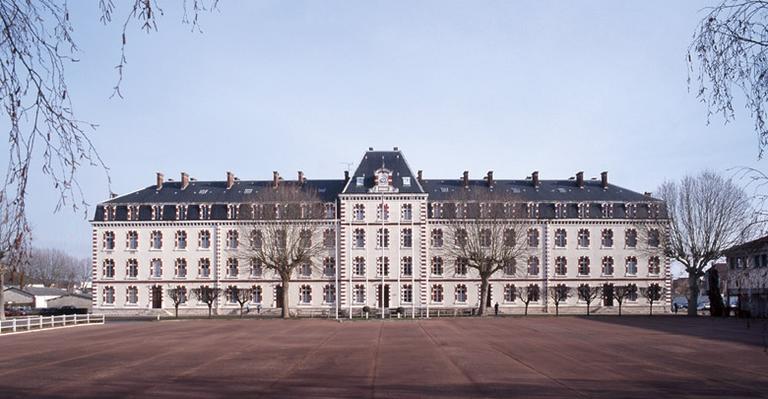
{"x": 746, "y": 283}
{"x": 386, "y": 233}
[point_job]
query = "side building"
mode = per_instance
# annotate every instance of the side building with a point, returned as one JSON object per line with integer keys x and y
{"x": 746, "y": 283}
{"x": 389, "y": 237}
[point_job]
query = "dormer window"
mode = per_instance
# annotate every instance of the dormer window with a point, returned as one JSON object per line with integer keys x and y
{"x": 631, "y": 210}
{"x": 606, "y": 209}
{"x": 205, "y": 212}
{"x": 330, "y": 211}
{"x": 583, "y": 210}
{"x": 359, "y": 181}
{"x": 407, "y": 181}
{"x": 561, "y": 211}
{"x": 109, "y": 212}
{"x": 181, "y": 212}
{"x": 232, "y": 211}
{"x": 533, "y": 210}
{"x": 157, "y": 212}
{"x": 133, "y": 212}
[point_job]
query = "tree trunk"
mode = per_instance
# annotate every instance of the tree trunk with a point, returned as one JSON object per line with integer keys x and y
{"x": 483, "y": 295}
{"x": 241, "y": 310}
{"x": 587, "y": 308}
{"x": 286, "y": 312}
{"x": 557, "y": 308}
{"x": 619, "y": 308}
{"x": 210, "y": 309}
{"x": 177, "y": 310}
{"x": 693, "y": 296}
{"x": 526, "y": 309}
{"x": 651, "y": 309}
{"x": 2, "y": 295}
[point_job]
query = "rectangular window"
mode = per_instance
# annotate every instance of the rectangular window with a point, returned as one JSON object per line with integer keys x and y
{"x": 407, "y": 212}
{"x": 132, "y": 240}
{"x": 407, "y": 265}
{"x": 407, "y": 296}
{"x": 406, "y": 238}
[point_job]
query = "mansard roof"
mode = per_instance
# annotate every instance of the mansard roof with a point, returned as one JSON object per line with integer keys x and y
{"x": 202, "y": 192}
{"x": 390, "y": 160}
{"x": 546, "y": 191}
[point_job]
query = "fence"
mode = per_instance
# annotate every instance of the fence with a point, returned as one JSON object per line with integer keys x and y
{"x": 33, "y": 323}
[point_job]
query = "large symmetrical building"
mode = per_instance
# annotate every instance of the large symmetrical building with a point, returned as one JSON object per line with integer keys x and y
{"x": 386, "y": 231}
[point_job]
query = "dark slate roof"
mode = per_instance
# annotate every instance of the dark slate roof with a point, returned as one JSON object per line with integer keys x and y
{"x": 202, "y": 192}
{"x": 754, "y": 245}
{"x": 392, "y": 160}
{"x": 44, "y": 291}
{"x": 547, "y": 191}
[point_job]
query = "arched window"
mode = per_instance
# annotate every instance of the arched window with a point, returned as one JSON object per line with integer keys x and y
{"x": 606, "y": 238}
{"x": 232, "y": 267}
{"x": 584, "y": 266}
{"x": 509, "y": 293}
{"x": 437, "y": 266}
{"x": 109, "y": 268}
{"x": 583, "y": 238}
{"x": 109, "y": 240}
{"x": 305, "y": 294}
{"x": 358, "y": 265}
{"x": 204, "y": 267}
{"x": 329, "y": 294}
{"x": 359, "y": 294}
{"x": 181, "y": 239}
{"x": 461, "y": 293}
{"x": 382, "y": 263}
{"x": 232, "y": 239}
{"x": 358, "y": 212}
{"x": 132, "y": 268}
{"x": 204, "y": 239}
{"x": 157, "y": 268}
{"x": 437, "y": 293}
{"x": 561, "y": 238}
{"x": 437, "y": 238}
{"x": 329, "y": 266}
{"x": 533, "y": 265}
{"x": 132, "y": 240}
{"x": 630, "y": 238}
{"x": 132, "y": 295}
{"x": 358, "y": 238}
{"x": 533, "y": 238}
{"x": 561, "y": 266}
{"x": 607, "y": 266}
{"x": 631, "y": 265}
{"x": 654, "y": 265}
{"x": 156, "y": 239}
{"x": 181, "y": 268}
{"x": 509, "y": 267}
{"x": 109, "y": 295}
{"x": 461, "y": 266}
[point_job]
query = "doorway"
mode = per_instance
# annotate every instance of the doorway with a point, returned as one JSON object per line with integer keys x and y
{"x": 608, "y": 294}
{"x": 157, "y": 297}
{"x": 386, "y": 296}
{"x": 279, "y": 296}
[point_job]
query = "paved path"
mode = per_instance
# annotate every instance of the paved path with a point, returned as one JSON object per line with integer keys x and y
{"x": 535, "y": 357}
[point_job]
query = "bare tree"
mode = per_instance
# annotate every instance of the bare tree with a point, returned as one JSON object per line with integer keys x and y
{"x": 207, "y": 295}
{"x": 178, "y": 296}
{"x": 240, "y": 295}
{"x": 708, "y": 214}
{"x": 653, "y": 293}
{"x": 589, "y": 294}
{"x": 529, "y": 294}
{"x": 559, "y": 293}
{"x": 622, "y": 293}
{"x": 485, "y": 234}
{"x": 728, "y": 54}
{"x": 286, "y": 232}
{"x": 36, "y": 46}
{"x": 14, "y": 249}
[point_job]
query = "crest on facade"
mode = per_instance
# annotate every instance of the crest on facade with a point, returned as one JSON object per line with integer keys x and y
{"x": 383, "y": 181}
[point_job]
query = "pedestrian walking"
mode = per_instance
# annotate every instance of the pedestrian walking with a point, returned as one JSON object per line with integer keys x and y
{"x": 496, "y": 308}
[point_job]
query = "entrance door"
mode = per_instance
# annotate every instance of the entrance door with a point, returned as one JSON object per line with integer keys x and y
{"x": 386, "y": 296}
{"x": 157, "y": 297}
{"x": 488, "y": 300}
{"x": 279, "y": 296}
{"x": 608, "y": 294}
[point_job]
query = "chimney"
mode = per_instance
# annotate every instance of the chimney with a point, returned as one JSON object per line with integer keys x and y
{"x": 275, "y": 179}
{"x": 490, "y": 178}
{"x": 346, "y": 176}
{"x": 647, "y": 194}
{"x": 580, "y": 179}
{"x": 184, "y": 180}
{"x": 301, "y": 177}
{"x": 535, "y": 178}
{"x": 160, "y": 179}
{"x": 112, "y": 195}
{"x": 465, "y": 179}
{"x": 604, "y": 180}
{"x": 419, "y": 175}
{"x": 395, "y": 149}
{"x": 230, "y": 180}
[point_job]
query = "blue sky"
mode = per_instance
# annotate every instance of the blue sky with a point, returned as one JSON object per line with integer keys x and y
{"x": 509, "y": 86}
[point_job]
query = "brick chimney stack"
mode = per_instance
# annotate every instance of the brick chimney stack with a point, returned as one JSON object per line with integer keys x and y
{"x": 604, "y": 180}
{"x": 346, "y": 176}
{"x": 160, "y": 179}
{"x": 535, "y": 178}
{"x": 184, "y": 180}
{"x": 275, "y": 179}
{"x": 230, "y": 180}
{"x": 419, "y": 175}
{"x": 490, "y": 178}
{"x": 465, "y": 179}
{"x": 580, "y": 179}
{"x": 301, "y": 177}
